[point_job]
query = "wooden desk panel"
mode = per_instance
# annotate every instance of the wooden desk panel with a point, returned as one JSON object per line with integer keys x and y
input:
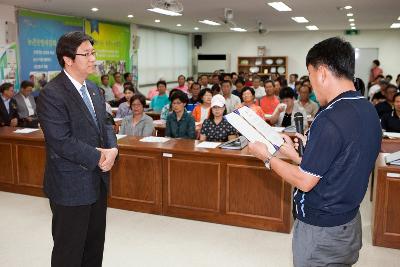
{"x": 30, "y": 159}
{"x": 6, "y": 163}
{"x": 386, "y": 213}
{"x": 135, "y": 182}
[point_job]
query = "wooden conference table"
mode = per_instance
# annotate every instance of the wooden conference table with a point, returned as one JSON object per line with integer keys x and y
{"x": 173, "y": 179}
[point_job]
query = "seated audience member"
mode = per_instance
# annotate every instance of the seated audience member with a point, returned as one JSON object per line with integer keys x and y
{"x": 180, "y": 124}
{"x": 292, "y": 81}
{"x": 160, "y": 100}
{"x": 216, "y": 89}
{"x": 304, "y": 101}
{"x": 108, "y": 106}
{"x": 388, "y": 78}
{"x": 26, "y": 106}
{"x": 270, "y": 101}
{"x": 239, "y": 84}
{"x": 189, "y": 82}
{"x": 313, "y": 97}
{"x": 277, "y": 87}
{"x": 117, "y": 88}
{"x": 128, "y": 77}
{"x": 226, "y": 77}
{"x": 167, "y": 109}
{"x": 359, "y": 85}
{"x": 386, "y": 106}
{"x": 203, "y": 81}
{"x": 391, "y": 121}
{"x": 374, "y": 87}
{"x": 248, "y": 97}
{"x": 216, "y": 128}
{"x": 8, "y": 106}
{"x": 124, "y": 108}
{"x": 234, "y": 77}
{"x": 231, "y": 101}
{"x": 215, "y": 80}
{"x": 108, "y": 93}
{"x": 260, "y": 91}
{"x": 283, "y": 115}
{"x": 398, "y": 81}
{"x": 380, "y": 95}
{"x": 137, "y": 123}
{"x": 181, "y": 84}
{"x": 195, "y": 98}
{"x": 127, "y": 85}
{"x": 201, "y": 111}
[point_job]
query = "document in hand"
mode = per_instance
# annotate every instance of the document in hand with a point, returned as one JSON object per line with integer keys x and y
{"x": 251, "y": 126}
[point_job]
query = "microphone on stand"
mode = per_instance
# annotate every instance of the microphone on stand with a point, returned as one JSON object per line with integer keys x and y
{"x": 298, "y": 121}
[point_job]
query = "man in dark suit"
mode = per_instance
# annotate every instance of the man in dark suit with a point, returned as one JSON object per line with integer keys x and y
{"x": 26, "y": 106}
{"x": 81, "y": 148}
{"x": 8, "y": 106}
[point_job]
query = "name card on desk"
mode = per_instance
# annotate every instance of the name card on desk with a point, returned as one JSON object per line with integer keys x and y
{"x": 393, "y": 175}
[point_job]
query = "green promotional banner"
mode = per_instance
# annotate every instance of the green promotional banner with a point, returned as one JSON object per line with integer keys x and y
{"x": 9, "y": 64}
{"x": 112, "y": 44}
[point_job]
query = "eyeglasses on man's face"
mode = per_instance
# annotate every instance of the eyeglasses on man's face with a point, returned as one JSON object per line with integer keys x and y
{"x": 87, "y": 54}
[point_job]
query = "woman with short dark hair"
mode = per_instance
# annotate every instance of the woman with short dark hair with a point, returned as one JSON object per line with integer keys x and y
{"x": 139, "y": 123}
{"x": 248, "y": 97}
{"x": 180, "y": 124}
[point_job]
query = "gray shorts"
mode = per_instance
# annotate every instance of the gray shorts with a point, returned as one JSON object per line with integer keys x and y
{"x": 326, "y": 246}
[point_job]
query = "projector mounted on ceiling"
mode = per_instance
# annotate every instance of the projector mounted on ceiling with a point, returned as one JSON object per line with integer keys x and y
{"x": 169, "y": 5}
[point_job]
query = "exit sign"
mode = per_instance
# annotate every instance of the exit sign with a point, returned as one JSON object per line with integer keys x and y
{"x": 352, "y": 32}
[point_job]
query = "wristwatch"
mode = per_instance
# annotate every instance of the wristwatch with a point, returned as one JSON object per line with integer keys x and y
{"x": 267, "y": 163}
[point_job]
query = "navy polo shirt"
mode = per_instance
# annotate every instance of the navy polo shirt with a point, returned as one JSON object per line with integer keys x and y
{"x": 343, "y": 143}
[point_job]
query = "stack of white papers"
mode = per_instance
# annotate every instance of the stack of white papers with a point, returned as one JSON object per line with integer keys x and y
{"x": 392, "y": 135}
{"x": 254, "y": 128}
{"x": 154, "y": 139}
{"x": 119, "y": 136}
{"x": 118, "y": 119}
{"x": 25, "y": 130}
{"x": 208, "y": 145}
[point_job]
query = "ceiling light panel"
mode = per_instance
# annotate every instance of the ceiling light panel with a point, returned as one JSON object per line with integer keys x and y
{"x": 209, "y": 22}
{"x": 312, "y": 28}
{"x": 164, "y": 12}
{"x": 300, "y": 19}
{"x": 280, "y": 6}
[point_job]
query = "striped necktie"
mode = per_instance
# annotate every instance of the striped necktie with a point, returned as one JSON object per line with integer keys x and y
{"x": 85, "y": 97}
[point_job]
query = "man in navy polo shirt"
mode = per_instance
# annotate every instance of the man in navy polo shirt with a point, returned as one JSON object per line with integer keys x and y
{"x": 332, "y": 177}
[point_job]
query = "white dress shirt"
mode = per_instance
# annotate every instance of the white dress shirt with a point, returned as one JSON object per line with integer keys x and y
{"x": 78, "y": 86}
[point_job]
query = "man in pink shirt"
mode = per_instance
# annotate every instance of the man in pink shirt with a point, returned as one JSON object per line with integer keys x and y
{"x": 181, "y": 84}
{"x": 269, "y": 102}
{"x": 118, "y": 88}
{"x": 375, "y": 70}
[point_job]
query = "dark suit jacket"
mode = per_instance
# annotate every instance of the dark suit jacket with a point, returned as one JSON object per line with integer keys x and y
{"x": 72, "y": 177}
{"x": 22, "y": 109}
{"x": 5, "y": 117}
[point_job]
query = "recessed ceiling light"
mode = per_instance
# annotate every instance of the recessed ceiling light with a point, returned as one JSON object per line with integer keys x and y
{"x": 209, "y": 22}
{"x": 398, "y": 18}
{"x": 353, "y": 28}
{"x": 348, "y": 7}
{"x": 157, "y": 21}
{"x": 178, "y": 25}
{"x": 351, "y": 20}
{"x": 312, "y": 28}
{"x": 95, "y": 9}
{"x": 130, "y": 16}
{"x": 352, "y": 24}
{"x": 350, "y": 14}
{"x": 300, "y": 19}
{"x": 164, "y": 12}
{"x": 280, "y": 6}
{"x": 196, "y": 28}
{"x": 237, "y": 29}
{"x": 395, "y": 26}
